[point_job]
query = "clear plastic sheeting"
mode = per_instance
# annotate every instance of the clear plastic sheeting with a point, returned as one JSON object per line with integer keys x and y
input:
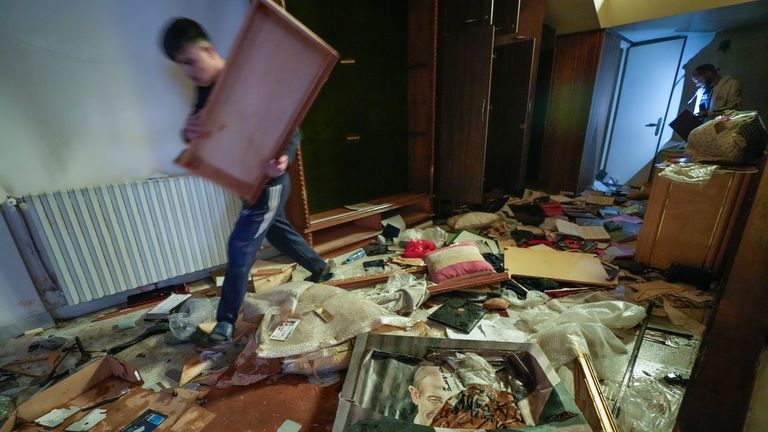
{"x": 280, "y": 300}
{"x": 193, "y": 312}
{"x": 473, "y": 369}
{"x": 613, "y": 314}
{"x": 647, "y": 405}
{"x": 328, "y": 316}
{"x": 587, "y": 321}
{"x": 436, "y": 234}
{"x": 402, "y": 293}
{"x": 532, "y": 298}
{"x": 6, "y": 407}
{"x": 692, "y": 173}
{"x": 323, "y": 366}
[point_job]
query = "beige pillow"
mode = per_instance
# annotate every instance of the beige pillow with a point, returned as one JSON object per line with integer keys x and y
{"x": 472, "y": 220}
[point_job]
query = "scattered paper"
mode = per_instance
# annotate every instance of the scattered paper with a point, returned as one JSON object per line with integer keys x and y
{"x": 584, "y": 232}
{"x": 289, "y": 426}
{"x": 560, "y": 198}
{"x": 285, "y": 330}
{"x": 396, "y": 221}
{"x": 599, "y": 199}
{"x": 165, "y": 307}
{"x": 57, "y": 416}
{"x": 499, "y": 329}
{"x": 87, "y": 422}
{"x": 362, "y": 206}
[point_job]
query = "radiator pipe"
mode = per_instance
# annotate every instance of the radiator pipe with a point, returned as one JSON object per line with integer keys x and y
{"x": 50, "y": 294}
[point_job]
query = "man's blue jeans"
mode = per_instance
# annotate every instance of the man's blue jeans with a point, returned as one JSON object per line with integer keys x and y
{"x": 265, "y": 219}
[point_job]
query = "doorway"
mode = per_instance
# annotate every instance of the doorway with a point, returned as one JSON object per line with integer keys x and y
{"x": 640, "y": 114}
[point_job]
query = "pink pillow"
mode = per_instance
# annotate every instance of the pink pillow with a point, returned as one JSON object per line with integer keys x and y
{"x": 459, "y": 261}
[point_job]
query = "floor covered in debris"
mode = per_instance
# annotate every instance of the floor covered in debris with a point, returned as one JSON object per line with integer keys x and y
{"x": 641, "y": 361}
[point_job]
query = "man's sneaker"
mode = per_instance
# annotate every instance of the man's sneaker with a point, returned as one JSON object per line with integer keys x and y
{"x": 321, "y": 276}
{"x": 221, "y": 333}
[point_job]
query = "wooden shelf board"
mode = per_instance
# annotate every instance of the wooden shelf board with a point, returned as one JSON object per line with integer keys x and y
{"x": 338, "y": 237}
{"x": 416, "y": 218}
{"x": 338, "y": 216}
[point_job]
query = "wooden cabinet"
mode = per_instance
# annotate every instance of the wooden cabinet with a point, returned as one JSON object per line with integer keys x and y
{"x": 465, "y": 76}
{"x": 459, "y": 15}
{"x": 577, "y": 106}
{"x": 486, "y": 84}
{"x": 690, "y": 224}
{"x": 370, "y": 134}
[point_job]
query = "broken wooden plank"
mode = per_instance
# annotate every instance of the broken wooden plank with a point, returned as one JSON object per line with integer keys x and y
{"x": 456, "y": 284}
{"x": 372, "y": 279}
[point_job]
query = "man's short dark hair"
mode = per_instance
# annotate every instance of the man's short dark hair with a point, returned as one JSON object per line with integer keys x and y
{"x": 706, "y": 67}
{"x": 179, "y": 33}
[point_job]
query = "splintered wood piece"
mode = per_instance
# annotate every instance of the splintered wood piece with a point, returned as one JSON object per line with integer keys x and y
{"x": 193, "y": 368}
{"x": 573, "y": 267}
{"x": 453, "y": 285}
{"x": 371, "y": 279}
{"x": 273, "y": 74}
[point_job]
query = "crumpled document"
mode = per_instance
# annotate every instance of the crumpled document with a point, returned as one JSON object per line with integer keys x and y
{"x": 692, "y": 173}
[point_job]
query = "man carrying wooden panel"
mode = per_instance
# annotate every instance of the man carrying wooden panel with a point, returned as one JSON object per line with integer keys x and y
{"x": 187, "y": 44}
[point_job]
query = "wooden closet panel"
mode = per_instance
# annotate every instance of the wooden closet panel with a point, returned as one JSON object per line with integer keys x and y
{"x": 465, "y": 73}
{"x": 459, "y": 15}
{"x": 422, "y": 64}
{"x": 600, "y": 111}
{"x": 726, "y": 365}
{"x": 297, "y": 206}
{"x": 531, "y": 24}
{"x": 504, "y": 166}
{"x": 505, "y": 16}
{"x": 573, "y": 79}
{"x": 692, "y": 225}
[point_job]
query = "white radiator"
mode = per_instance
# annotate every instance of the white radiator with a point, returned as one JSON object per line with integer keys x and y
{"x": 104, "y": 240}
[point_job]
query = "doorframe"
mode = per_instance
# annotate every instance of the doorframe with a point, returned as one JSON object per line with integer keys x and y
{"x": 623, "y": 71}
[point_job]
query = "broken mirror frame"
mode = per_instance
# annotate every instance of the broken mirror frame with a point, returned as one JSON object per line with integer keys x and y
{"x": 354, "y": 413}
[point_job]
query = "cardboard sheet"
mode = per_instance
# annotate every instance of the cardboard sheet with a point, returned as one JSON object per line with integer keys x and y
{"x": 585, "y": 232}
{"x": 273, "y": 74}
{"x": 561, "y": 266}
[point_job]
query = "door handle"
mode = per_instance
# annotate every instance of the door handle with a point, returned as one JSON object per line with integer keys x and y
{"x": 482, "y": 112}
{"x": 656, "y": 125}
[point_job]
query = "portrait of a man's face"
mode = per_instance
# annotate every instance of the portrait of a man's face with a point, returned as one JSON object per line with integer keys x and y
{"x": 427, "y": 393}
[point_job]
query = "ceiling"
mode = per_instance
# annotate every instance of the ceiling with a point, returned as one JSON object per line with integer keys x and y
{"x": 572, "y": 16}
{"x": 705, "y": 21}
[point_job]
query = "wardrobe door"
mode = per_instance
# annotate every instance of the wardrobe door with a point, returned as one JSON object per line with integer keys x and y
{"x": 465, "y": 74}
{"x": 507, "y": 151}
{"x": 460, "y": 15}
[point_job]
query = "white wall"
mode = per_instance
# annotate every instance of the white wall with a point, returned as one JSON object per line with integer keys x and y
{"x": 87, "y": 97}
{"x": 20, "y": 308}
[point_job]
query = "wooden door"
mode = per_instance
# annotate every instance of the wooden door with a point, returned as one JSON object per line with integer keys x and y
{"x": 506, "y": 150}
{"x": 505, "y": 16}
{"x": 465, "y": 74}
{"x": 460, "y": 15}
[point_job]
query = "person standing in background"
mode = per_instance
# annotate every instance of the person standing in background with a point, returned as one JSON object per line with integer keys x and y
{"x": 715, "y": 93}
